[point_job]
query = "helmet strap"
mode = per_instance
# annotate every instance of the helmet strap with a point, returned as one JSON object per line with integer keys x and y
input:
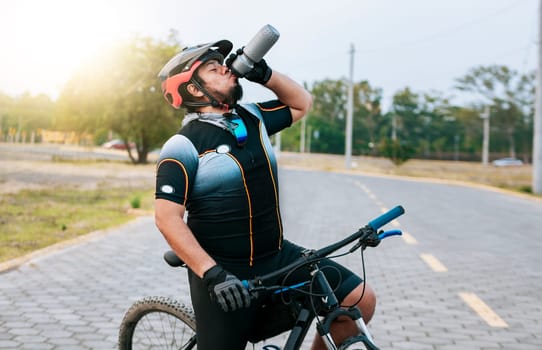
{"x": 212, "y": 101}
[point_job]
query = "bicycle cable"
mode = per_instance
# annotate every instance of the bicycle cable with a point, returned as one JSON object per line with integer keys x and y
{"x": 310, "y": 292}
{"x": 313, "y": 294}
{"x": 363, "y": 274}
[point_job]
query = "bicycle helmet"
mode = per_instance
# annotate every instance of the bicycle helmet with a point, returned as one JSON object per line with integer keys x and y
{"x": 180, "y": 69}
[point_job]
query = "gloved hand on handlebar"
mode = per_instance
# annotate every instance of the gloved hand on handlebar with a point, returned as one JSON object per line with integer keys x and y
{"x": 226, "y": 289}
{"x": 261, "y": 73}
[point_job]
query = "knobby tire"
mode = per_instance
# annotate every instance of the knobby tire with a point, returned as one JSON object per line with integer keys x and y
{"x": 158, "y": 323}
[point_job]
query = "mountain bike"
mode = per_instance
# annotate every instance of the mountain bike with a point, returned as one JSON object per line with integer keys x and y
{"x": 164, "y": 323}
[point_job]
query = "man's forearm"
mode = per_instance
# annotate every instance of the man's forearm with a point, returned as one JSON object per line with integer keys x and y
{"x": 169, "y": 220}
{"x": 184, "y": 244}
{"x": 290, "y": 93}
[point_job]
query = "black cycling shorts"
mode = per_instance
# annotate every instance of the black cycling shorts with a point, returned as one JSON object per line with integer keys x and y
{"x": 217, "y": 329}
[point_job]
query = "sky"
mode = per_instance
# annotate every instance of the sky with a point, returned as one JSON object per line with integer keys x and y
{"x": 422, "y": 44}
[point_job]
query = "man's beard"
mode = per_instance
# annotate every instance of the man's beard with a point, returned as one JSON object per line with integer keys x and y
{"x": 231, "y": 97}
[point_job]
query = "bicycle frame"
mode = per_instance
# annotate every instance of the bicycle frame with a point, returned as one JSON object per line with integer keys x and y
{"x": 367, "y": 237}
{"x": 330, "y": 306}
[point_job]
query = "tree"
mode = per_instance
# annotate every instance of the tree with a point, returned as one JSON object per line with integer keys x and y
{"x": 326, "y": 120}
{"x": 511, "y": 97}
{"x": 398, "y": 152}
{"x": 120, "y": 91}
{"x": 6, "y": 103}
{"x": 440, "y": 127}
{"x": 409, "y": 126}
{"x": 367, "y": 117}
{"x": 25, "y": 114}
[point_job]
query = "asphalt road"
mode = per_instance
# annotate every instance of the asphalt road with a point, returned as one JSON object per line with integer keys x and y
{"x": 465, "y": 276}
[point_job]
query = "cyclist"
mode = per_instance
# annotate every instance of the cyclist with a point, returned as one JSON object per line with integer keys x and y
{"x": 221, "y": 169}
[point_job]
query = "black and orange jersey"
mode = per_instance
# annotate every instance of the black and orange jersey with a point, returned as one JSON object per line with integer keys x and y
{"x": 230, "y": 190}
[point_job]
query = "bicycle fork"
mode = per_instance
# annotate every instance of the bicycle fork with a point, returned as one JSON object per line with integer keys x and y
{"x": 353, "y": 313}
{"x": 333, "y": 311}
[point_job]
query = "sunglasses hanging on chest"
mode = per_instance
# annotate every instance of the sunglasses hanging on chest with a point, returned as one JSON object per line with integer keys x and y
{"x": 237, "y": 128}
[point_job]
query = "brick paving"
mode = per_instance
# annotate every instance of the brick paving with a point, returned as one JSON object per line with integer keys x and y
{"x": 75, "y": 297}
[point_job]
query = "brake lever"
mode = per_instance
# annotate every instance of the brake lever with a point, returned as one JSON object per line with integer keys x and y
{"x": 371, "y": 240}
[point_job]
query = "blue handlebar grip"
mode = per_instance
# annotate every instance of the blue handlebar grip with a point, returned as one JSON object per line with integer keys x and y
{"x": 386, "y": 217}
{"x": 245, "y": 283}
{"x": 388, "y": 233}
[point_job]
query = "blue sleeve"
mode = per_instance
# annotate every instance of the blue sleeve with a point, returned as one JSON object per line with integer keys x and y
{"x": 176, "y": 169}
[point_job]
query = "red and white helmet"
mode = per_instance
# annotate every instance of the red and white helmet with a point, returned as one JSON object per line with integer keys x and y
{"x": 181, "y": 67}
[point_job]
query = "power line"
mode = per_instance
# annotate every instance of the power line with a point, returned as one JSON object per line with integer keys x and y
{"x": 439, "y": 35}
{"x": 449, "y": 31}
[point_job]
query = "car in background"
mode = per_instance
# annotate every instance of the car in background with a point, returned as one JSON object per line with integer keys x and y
{"x": 507, "y": 162}
{"x": 117, "y": 144}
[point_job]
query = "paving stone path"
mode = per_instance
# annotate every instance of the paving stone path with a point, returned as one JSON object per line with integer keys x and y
{"x": 75, "y": 297}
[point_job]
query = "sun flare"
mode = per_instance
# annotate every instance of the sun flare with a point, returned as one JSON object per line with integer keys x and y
{"x": 50, "y": 39}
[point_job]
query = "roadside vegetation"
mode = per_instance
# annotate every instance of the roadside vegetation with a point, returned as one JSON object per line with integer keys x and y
{"x": 34, "y": 219}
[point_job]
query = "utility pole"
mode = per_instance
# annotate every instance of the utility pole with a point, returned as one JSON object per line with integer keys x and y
{"x": 485, "y": 143}
{"x": 394, "y": 127}
{"x": 309, "y": 132}
{"x": 537, "y": 137}
{"x": 350, "y": 111}
{"x": 456, "y": 147}
{"x": 277, "y": 143}
{"x": 302, "y": 136}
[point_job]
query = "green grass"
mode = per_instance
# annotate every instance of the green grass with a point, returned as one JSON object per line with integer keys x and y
{"x": 30, "y": 219}
{"x": 135, "y": 202}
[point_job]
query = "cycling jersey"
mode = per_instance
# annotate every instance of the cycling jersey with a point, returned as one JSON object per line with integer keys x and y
{"x": 229, "y": 188}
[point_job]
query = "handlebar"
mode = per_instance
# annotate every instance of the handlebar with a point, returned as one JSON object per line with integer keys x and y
{"x": 386, "y": 217}
{"x": 364, "y": 232}
{"x": 367, "y": 233}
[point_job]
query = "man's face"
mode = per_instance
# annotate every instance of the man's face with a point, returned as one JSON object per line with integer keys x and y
{"x": 220, "y": 82}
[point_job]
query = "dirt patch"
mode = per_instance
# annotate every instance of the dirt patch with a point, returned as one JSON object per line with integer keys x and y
{"x": 38, "y": 167}
{"x": 23, "y": 174}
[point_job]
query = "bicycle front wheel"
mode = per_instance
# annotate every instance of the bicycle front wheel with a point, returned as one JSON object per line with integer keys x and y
{"x": 358, "y": 342}
{"x": 158, "y": 323}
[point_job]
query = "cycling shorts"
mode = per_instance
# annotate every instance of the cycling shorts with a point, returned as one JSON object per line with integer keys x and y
{"x": 266, "y": 318}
